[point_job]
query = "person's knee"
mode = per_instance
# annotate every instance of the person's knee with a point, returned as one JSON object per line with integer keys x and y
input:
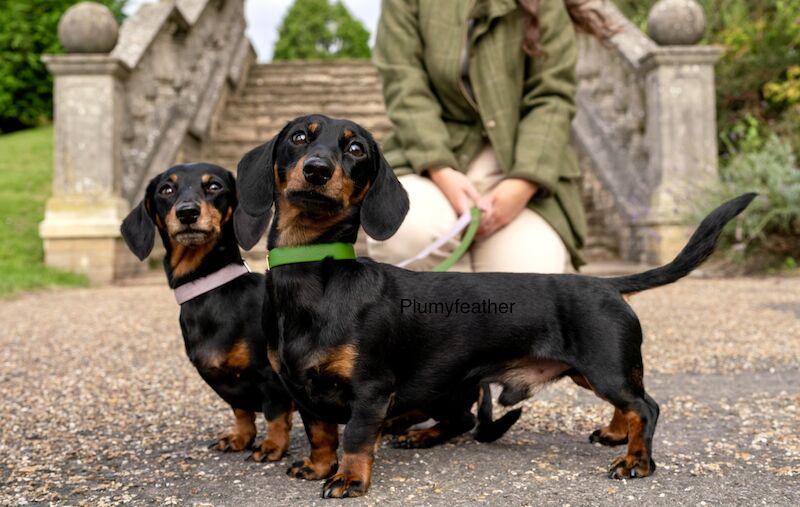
{"x": 429, "y": 216}
{"x": 409, "y": 240}
{"x": 527, "y": 245}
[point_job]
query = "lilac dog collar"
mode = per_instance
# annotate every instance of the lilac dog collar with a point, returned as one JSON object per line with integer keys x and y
{"x": 208, "y": 283}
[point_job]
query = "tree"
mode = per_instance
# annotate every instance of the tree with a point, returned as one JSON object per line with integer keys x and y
{"x": 27, "y": 31}
{"x": 319, "y": 29}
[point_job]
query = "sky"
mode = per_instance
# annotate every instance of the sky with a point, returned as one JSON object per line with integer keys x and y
{"x": 264, "y": 16}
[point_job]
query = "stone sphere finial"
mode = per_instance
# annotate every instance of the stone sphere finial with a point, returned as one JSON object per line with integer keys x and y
{"x": 676, "y": 22}
{"x": 88, "y": 27}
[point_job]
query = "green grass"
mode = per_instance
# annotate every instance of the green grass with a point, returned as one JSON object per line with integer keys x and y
{"x": 26, "y": 171}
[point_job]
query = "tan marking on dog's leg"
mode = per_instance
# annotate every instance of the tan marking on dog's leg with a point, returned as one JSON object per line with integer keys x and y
{"x": 276, "y": 444}
{"x": 636, "y": 463}
{"x": 242, "y": 435}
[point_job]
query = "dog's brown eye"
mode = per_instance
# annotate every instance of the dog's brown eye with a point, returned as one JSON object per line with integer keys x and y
{"x": 166, "y": 190}
{"x": 299, "y": 137}
{"x": 356, "y": 150}
{"x": 214, "y": 186}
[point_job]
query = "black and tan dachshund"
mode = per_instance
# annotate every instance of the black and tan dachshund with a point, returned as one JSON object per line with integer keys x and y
{"x": 357, "y": 341}
{"x": 191, "y": 208}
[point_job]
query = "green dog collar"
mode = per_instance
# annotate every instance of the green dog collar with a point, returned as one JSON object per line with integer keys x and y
{"x": 310, "y": 253}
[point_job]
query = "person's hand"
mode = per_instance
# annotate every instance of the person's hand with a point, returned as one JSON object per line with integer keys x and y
{"x": 503, "y": 204}
{"x": 456, "y": 187}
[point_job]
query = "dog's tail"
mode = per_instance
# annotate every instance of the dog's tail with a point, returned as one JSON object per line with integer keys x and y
{"x": 488, "y": 430}
{"x": 697, "y": 250}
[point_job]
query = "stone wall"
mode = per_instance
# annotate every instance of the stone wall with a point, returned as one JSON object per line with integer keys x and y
{"x": 126, "y": 111}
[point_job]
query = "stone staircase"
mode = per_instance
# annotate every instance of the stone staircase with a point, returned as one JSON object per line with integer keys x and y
{"x": 277, "y": 92}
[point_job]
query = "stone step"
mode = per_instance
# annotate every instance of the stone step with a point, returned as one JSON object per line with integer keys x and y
{"x": 343, "y": 68}
{"x": 229, "y": 163}
{"x": 303, "y": 88}
{"x": 341, "y": 73}
{"x": 334, "y": 108}
{"x": 235, "y": 149}
{"x": 257, "y": 126}
{"x": 232, "y": 149}
{"x": 270, "y": 95}
{"x": 243, "y": 137}
{"x": 284, "y": 79}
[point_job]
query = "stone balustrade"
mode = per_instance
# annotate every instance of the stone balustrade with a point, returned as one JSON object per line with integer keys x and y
{"x": 646, "y": 126}
{"x": 129, "y": 104}
{"x": 126, "y": 108}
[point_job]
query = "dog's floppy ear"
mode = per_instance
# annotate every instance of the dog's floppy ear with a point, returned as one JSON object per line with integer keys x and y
{"x": 138, "y": 229}
{"x": 386, "y": 204}
{"x": 256, "y": 186}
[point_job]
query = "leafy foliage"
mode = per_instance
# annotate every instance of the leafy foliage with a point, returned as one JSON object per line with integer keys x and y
{"x": 785, "y": 93}
{"x": 28, "y": 29}
{"x": 757, "y": 78}
{"x": 769, "y": 231}
{"x": 318, "y": 29}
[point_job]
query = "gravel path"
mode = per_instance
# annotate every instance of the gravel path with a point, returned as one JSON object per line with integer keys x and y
{"x": 100, "y": 406}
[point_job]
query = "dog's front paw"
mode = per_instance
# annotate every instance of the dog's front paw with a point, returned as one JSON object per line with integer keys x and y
{"x": 308, "y": 470}
{"x": 631, "y": 467}
{"x": 344, "y": 486}
{"x": 268, "y": 450}
{"x": 233, "y": 442}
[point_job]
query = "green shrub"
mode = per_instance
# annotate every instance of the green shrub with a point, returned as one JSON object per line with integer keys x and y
{"x": 28, "y": 29}
{"x": 786, "y": 93}
{"x": 769, "y": 232}
{"x": 318, "y": 29}
{"x": 754, "y": 76}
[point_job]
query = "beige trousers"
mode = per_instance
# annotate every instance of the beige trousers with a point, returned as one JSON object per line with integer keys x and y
{"x": 526, "y": 245}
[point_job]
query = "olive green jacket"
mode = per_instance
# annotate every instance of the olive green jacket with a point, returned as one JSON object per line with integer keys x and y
{"x": 524, "y": 105}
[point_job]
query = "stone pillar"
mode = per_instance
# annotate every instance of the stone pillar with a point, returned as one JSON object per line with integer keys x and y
{"x": 681, "y": 126}
{"x": 81, "y": 224}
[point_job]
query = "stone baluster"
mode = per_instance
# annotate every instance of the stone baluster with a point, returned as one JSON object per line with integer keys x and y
{"x": 81, "y": 225}
{"x": 681, "y": 130}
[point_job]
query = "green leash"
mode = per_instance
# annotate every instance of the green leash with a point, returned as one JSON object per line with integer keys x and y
{"x": 466, "y": 242}
{"x": 345, "y": 251}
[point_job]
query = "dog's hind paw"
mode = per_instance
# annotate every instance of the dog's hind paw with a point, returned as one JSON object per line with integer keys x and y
{"x": 417, "y": 439}
{"x": 631, "y": 467}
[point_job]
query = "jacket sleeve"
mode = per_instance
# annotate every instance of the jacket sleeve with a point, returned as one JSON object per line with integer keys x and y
{"x": 542, "y": 152}
{"x": 410, "y": 103}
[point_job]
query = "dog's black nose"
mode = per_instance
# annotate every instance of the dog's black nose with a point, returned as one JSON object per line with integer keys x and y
{"x": 317, "y": 171}
{"x": 187, "y": 212}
